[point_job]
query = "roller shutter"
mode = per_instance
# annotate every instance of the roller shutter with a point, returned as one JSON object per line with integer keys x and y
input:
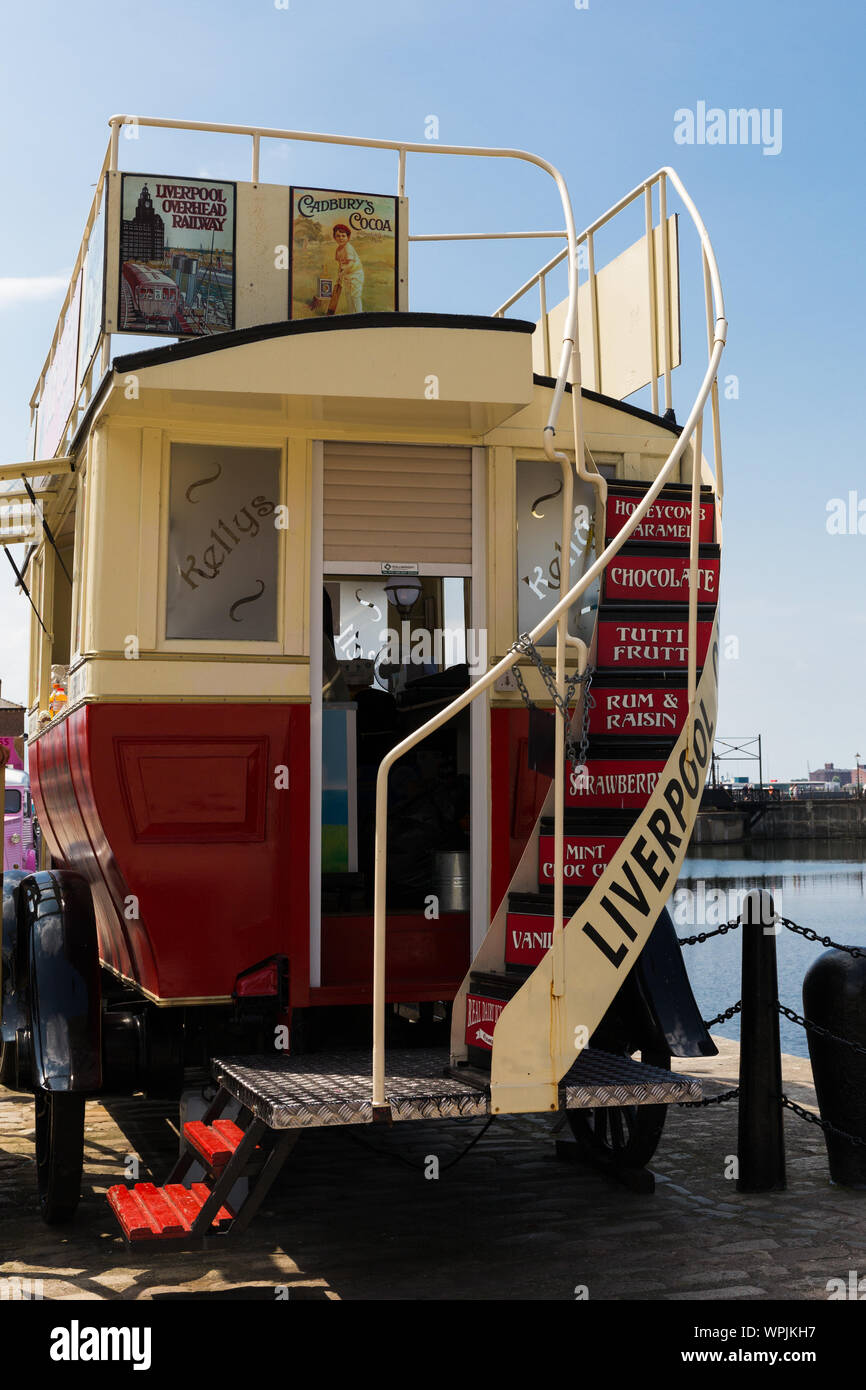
{"x": 397, "y": 502}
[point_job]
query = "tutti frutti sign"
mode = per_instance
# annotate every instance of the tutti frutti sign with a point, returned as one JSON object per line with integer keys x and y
{"x": 649, "y": 642}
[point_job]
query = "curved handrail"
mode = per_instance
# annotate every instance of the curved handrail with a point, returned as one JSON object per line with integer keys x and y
{"x": 617, "y": 207}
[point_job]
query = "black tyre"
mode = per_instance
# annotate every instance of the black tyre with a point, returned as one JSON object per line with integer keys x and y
{"x": 624, "y": 1136}
{"x": 59, "y": 1153}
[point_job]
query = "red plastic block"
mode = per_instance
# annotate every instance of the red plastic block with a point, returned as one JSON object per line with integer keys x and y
{"x": 169, "y": 1223}
{"x": 229, "y": 1132}
{"x": 209, "y": 1143}
{"x": 134, "y": 1220}
{"x": 189, "y": 1203}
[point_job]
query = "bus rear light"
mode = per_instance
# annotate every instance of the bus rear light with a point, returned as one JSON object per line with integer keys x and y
{"x": 268, "y": 978}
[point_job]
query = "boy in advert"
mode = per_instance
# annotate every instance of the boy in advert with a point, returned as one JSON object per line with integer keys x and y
{"x": 350, "y": 278}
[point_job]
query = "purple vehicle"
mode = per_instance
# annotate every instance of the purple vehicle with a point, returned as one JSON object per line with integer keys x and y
{"x": 19, "y": 850}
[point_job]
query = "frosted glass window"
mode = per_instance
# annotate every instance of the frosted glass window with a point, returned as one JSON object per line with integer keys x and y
{"x": 223, "y": 545}
{"x": 539, "y": 531}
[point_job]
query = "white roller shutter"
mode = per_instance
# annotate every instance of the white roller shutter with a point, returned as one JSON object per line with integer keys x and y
{"x": 397, "y": 502}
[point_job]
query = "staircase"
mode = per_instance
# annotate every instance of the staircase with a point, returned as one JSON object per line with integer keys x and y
{"x": 639, "y": 707}
{"x": 228, "y": 1152}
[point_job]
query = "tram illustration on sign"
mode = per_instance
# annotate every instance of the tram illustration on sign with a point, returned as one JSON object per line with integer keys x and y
{"x": 343, "y": 253}
{"x": 177, "y": 252}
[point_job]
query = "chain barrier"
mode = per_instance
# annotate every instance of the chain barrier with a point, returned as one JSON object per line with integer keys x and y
{"x": 822, "y": 1124}
{"x": 705, "y": 935}
{"x": 818, "y": 1028}
{"x": 811, "y": 935}
{"x": 725, "y": 1016}
{"x": 792, "y": 1016}
{"x": 524, "y": 646}
{"x": 709, "y": 1100}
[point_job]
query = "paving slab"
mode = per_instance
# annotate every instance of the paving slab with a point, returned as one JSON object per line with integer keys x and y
{"x": 362, "y": 1222}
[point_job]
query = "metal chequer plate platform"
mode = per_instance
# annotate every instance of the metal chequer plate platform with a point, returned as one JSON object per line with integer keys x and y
{"x": 310, "y": 1091}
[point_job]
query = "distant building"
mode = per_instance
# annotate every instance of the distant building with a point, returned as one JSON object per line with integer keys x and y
{"x": 829, "y": 773}
{"x": 142, "y": 237}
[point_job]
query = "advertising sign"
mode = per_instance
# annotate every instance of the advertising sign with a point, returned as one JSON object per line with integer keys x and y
{"x": 626, "y": 710}
{"x": 59, "y": 388}
{"x": 649, "y": 642}
{"x": 343, "y": 253}
{"x": 667, "y": 519}
{"x": 528, "y": 938}
{"x": 585, "y": 857}
{"x": 177, "y": 256}
{"x": 613, "y": 782}
{"x": 481, "y": 1016}
{"x": 662, "y": 577}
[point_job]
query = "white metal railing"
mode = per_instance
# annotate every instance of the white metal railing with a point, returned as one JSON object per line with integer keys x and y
{"x": 658, "y": 278}
{"x": 101, "y": 357}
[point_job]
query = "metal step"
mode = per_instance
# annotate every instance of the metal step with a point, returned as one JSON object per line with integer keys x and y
{"x": 327, "y": 1089}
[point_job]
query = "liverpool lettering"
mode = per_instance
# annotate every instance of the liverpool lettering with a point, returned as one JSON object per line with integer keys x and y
{"x": 650, "y": 851}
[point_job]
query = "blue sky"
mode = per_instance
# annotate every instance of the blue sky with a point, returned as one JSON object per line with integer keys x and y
{"x": 595, "y": 91}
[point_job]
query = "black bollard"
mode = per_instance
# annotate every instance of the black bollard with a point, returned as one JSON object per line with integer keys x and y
{"x": 761, "y": 1136}
{"x": 834, "y": 996}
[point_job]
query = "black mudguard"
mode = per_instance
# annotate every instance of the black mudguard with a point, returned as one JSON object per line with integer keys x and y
{"x": 13, "y": 973}
{"x": 665, "y": 993}
{"x": 655, "y": 1011}
{"x": 58, "y": 931}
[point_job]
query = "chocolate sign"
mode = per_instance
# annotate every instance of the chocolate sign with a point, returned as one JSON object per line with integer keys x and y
{"x": 660, "y": 577}
{"x": 584, "y": 857}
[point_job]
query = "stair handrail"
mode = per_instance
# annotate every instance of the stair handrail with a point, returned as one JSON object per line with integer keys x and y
{"x": 691, "y": 427}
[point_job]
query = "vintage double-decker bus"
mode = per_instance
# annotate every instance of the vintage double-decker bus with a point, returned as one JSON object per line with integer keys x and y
{"x": 391, "y": 644}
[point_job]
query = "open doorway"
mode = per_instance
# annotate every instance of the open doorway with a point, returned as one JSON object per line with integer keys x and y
{"x": 395, "y": 650}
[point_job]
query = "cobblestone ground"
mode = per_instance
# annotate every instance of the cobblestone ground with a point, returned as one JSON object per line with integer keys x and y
{"x": 511, "y": 1221}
